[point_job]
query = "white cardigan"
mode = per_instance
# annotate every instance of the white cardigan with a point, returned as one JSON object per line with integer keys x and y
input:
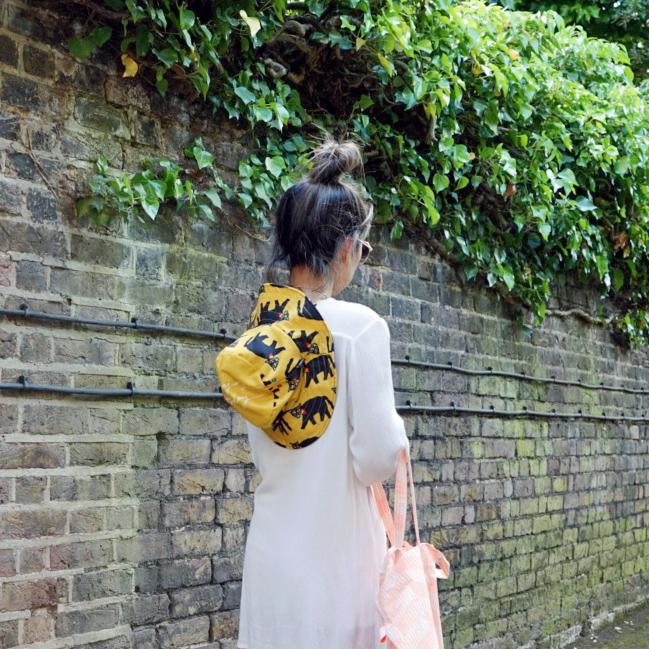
{"x": 316, "y": 543}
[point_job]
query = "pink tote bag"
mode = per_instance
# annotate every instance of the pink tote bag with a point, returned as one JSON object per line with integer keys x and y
{"x": 408, "y": 601}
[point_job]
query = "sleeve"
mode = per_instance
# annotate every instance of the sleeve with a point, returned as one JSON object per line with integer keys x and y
{"x": 378, "y": 432}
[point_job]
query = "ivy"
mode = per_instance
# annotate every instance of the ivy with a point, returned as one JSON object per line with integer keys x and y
{"x": 625, "y": 22}
{"x": 140, "y": 195}
{"x": 516, "y": 145}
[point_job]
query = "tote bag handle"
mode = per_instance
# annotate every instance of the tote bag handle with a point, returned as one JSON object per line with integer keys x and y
{"x": 395, "y": 526}
{"x": 396, "y": 530}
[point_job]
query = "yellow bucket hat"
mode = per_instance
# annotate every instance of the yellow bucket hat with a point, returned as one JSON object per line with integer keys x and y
{"x": 280, "y": 374}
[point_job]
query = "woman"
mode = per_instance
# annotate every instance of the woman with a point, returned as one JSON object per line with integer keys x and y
{"x": 316, "y": 543}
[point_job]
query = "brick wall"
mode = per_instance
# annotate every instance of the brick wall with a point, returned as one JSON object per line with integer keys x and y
{"x": 123, "y": 520}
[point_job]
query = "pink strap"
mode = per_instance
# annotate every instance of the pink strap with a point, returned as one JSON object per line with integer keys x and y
{"x": 382, "y": 505}
{"x": 396, "y": 530}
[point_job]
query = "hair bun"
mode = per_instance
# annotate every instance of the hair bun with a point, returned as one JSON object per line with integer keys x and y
{"x": 332, "y": 159}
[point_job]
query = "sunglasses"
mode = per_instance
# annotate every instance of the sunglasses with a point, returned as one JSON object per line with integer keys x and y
{"x": 366, "y": 248}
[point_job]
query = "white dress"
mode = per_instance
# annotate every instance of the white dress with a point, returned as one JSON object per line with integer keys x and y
{"x": 315, "y": 544}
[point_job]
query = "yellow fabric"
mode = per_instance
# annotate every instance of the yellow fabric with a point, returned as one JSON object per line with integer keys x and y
{"x": 280, "y": 374}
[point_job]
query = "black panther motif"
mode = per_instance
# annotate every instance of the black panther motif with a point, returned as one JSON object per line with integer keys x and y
{"x": 305, "y": 342}
{"x": 280, "y": 423}
{"x": 309, "y": 309}
{"x": 278, "y": 312}
{"x": 292, "y": 375}
{"x": 312, "y": 407}
{"x": 307, "y": 411}
{"x": 320, "y": 364}
{"x": 268, "y": 352}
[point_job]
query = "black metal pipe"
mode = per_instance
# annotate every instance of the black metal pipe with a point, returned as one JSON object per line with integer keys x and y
{"x": 25, "y": 312}
{"x": 553, "y": 414}
{"x": 23, "y": 385}
{"x": 518, "y": 375}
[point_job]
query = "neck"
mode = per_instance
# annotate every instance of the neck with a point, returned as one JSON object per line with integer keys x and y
{"x": 313, "y": 286}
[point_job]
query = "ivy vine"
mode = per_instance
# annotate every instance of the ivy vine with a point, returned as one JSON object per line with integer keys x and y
{"x": 142, "y": 193}
{"x": 516, "y": 145}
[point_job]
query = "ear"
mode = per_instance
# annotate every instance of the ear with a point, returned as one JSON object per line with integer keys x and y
{"x": 352, "y": 246}
{"x": 346, "y": 249}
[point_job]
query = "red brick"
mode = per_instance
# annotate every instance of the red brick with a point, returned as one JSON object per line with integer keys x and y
{"x": 25, "y": 595}
{"x": 7, "y": 273}
{"x": 39, "y": 627}
{"x": 7, "y": 563}
{"x": 81, "y": 555}
{"x": 31, "y": 524}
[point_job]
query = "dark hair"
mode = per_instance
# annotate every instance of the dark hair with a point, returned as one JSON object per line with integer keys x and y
{"x": 314, "y": 216}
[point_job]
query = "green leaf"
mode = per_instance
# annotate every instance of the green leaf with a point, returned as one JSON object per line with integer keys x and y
{"x": 102, "y": 164}
{"x": 143, "y": 40}
{"x": 275, "y": 165}
{"x": 151, "y": 207}
{"x": 618, "y": 279}
{"x": 432, "y": 216}
{"x": 508, "y": 277}
{"x": 206, "y": 211}
{"x": 187, "y": 18}
{"x": 440, "y": 182}
{"x": 601, "y": 262}
{"x": 168, "y": 56}
{"x": 622, "y": 166}
{"x": 244, "y": 94}
{"x": 83, "y": 47}
{"x": 364, "y": 102}
{"x": 491, "y": 117}
{"x": 261, "y": 192}
{"x": 388, "y": 66}
{"x": 262, "y": 114}
{"x": 188, "y": 41}
{"x": 282, "y": 116}
{"x": 585, "y": 204}
{"x": 396, "y": 230}
{"x": 461, "y": 154}
{"x": 136, "y": 12}
{"x": 90, "y": 205}
{"x": 159, "y": 188}
{"x": 233, "y": 112}
{"x": 567, "y": 180}
{"x": 214, "y": 198}
{"x": 162, "y": 85}
{"x": 203, "y": 158}
{"x": 246, "y": 199}
{"x": 177, "y": 188}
